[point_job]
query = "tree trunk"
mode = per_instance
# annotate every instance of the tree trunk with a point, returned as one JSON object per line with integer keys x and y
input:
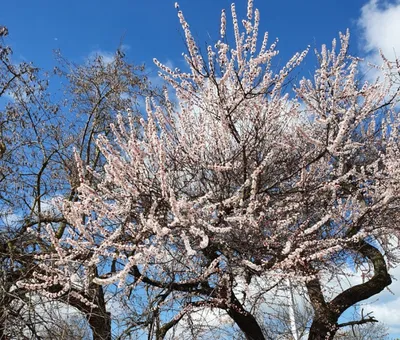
{"x": 99, "y": 319}
{"x": 100, "y": 323}
{"x": 322, "y": 329}
{"x": 327, "y": 314}
{"x": 246, "y": 322}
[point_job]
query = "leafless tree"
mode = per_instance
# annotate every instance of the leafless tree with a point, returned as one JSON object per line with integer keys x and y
{"x": 40, "y": 127}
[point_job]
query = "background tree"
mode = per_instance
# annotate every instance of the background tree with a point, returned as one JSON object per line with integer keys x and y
{"x": 39, "y": 129}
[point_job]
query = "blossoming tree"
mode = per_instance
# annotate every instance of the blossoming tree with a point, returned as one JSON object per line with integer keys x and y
{"x": 242, "y": 181}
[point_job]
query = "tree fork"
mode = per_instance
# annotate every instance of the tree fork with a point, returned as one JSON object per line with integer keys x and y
{"x": 325, "y": 324}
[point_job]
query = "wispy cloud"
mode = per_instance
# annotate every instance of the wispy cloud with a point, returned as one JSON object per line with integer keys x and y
{"x": 107, "y": 56}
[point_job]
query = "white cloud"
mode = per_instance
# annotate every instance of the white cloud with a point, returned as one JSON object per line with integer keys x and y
{"x": 380, "y": 27}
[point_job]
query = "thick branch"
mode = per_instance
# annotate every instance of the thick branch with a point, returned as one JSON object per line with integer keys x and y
{"x": 380, "y": 280}
{"x": 325, "y": 323}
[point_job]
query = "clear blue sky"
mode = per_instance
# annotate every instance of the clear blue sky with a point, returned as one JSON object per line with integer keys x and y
{"x": 151, "y": 28}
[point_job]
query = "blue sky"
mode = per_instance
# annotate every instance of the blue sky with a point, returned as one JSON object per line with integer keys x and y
{"x": 150, "y": 28}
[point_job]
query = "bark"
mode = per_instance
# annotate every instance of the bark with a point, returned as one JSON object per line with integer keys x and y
{"x": 100, "y": 324}
{"x": 324, "y": 318}
{"x": 321, "y": 331}
{"x": 99, "y": 319}
{"x": 246, "y": 322}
